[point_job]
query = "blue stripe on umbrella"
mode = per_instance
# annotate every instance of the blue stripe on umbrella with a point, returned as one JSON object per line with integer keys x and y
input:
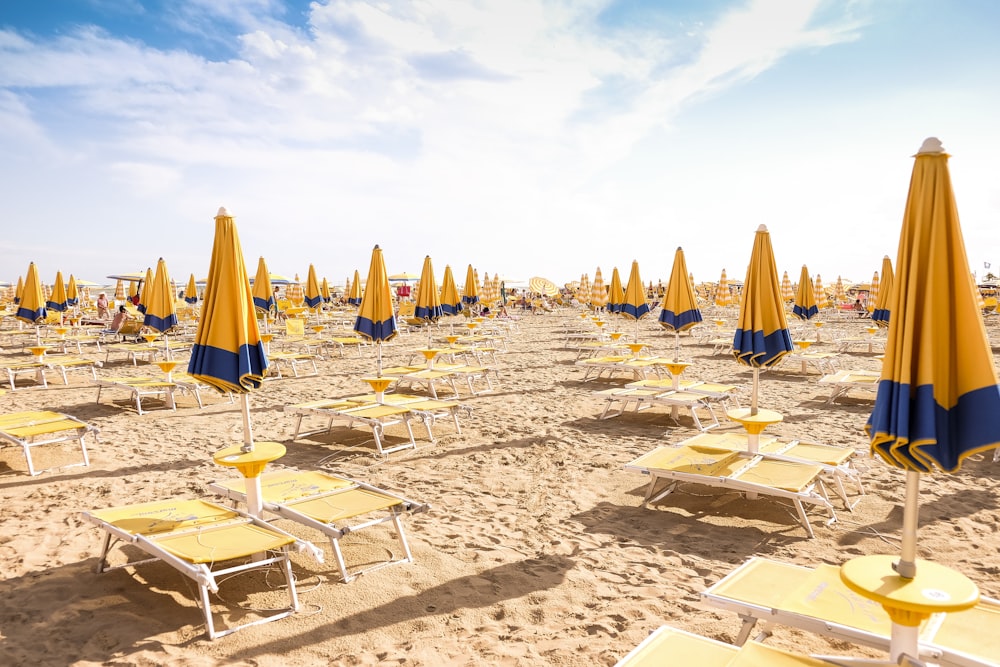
{"x": 383, "y": 330}
{"x": 760, "y": 350}
{"x": 244, "y": 368}
{"x": 805, "y": 313}
{"x": 633, "y": 311}
{"x": 677, "y": 321}
{"x": 311, "y": 302}
{"x": 159, "y": 323}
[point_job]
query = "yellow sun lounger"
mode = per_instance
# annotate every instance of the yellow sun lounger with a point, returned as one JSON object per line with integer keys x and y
{"x": 35, "y": 428}
{"x": 328, "y": 503}
{"x": 740, "y": 471}
{"x": 194, "y": 537}
{"x": 844, "y": 381}
{"x": 814, "y": 599}
{"x": 376, "y": 416}
{"x": 140, "y": 387}
{"x": 670, "y": 646}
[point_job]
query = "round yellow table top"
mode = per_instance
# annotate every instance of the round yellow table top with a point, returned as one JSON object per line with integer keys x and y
{"x": 150, "y": 337}
{"x": 38, "y": 350}
{"x": 754, "y": 423}
{"x": 803, "y": 344}
{"x": 676, "y": 367}
{"x": 251, "y": 463}
{"x": 936, "y": 588}
{"x": 167, "y": 366}
{"x": 818, "y": 324}
{"x": 871, "y": 330}
{"x": 62, "y": 330}
{"x": 378, "y": 384}
{"x": 615, "y": 335}
{"x": 266, "y": 337}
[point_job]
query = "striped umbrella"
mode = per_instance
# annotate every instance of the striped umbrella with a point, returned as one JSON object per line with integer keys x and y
{"x": 598, "y": 292}
{"x": 873, "y": 293}
{"x": 787, "y": 291}
{"x": 880, "y": 315}
{"x": 119, "y": 290}
{"x": 822, "y": 300}
{"x": 583, "y": 291}
{"x": 451, "y": 302}
{"x": 294, "y": 291}
{"x": 838, "y": 291}
{"x": 723, "y": 297}
{"x": 805, "y": 298}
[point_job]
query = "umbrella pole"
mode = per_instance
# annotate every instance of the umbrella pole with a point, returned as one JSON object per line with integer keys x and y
{"x": 247, "y": 425}
{"x": 677, "y": 345}
{"x": 756, "y": 390}
{"x": 906, "y": 567}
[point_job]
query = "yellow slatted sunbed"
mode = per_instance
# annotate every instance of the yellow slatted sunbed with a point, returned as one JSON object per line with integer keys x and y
{"x": 814, "y": 599}
{"x": 140, "y": 387}
{"x": 845, "y": 381}
{"x": 376, "y": 416}
{"x": 643, "y": 398}
{"x": 335, "y": 506}
{"x": 35, "y": 428}
{"x": 194, "y": 537}
{"x": 749, "y": 474}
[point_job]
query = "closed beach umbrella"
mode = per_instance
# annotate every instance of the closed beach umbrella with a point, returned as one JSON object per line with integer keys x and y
{"x": 119, "y": 290}
{"x": 598, "y": 291}
{"x": 635, "y": 305}
{"x": 451, "y": 303}
{"x": 324, "y": 290}
{"x": 805, "y": 298}
{"x": 57, "y": 300}
{"x": 616, "y": 293}
{"x": 72, "y": 292}
{"x": 133, "y": 290}
{"x": 787, "y": 291}
{"x": 18, "y": 290}
{"x": 31, "y": 308}
{"x": 470, "y": 291}
{"x": 723, "y": 297}
{"x": 262, "y": 291}
{"x": 191, "y": 291}
{"x": 680, "y": 308}
{"x": 355, "y": 294}
{"x": 873, "y": 293}
{"x": 376, "y": 320}
{"x": 294, "y": 291}
{"x": 160, "y": 314}
{"x": 838, "y": 291}
{"x": 822, "y": 300}
{"x": 880, "y": 315}
{"x": 762, "y": 336}
{"x": 938, "y": 402}
{"x": 144, "y": 293}
{"x": 312, "y": 295}
{"x": 428, "y": 304}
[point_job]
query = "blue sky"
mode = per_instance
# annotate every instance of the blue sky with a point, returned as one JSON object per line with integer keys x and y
{"x": 523, "y": 137}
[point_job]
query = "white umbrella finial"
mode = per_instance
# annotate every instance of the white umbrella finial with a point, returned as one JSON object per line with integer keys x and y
{"x": 762, "y": 228}
{"x": 222, "y": 212}
{"x": 931, "y": 146}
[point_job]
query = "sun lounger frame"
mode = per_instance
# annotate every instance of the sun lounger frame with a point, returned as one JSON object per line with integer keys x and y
{"x": 37, "y": 428}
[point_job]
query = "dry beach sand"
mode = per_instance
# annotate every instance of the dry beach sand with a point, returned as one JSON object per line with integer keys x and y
{"x": 535, "y": 551}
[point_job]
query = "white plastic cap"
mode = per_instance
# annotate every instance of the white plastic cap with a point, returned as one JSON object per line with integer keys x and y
{"x": 931, "y": 146}
{"x": 762, "y": 228}
{"x": 222, "y": 212}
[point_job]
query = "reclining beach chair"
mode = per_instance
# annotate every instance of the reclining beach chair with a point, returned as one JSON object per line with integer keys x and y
{"x": 194, "y": 537}
{"x": 36, "y": 428}
{"x": 816, "y": 600}
{"x": 845, "y": 381}
{"x": 328, "y": 503}
{"x": 140, "y": 387}
{"x": 740, "y": 471}
{"x": 671, "y": 646}
{"x": 376, "y": 416}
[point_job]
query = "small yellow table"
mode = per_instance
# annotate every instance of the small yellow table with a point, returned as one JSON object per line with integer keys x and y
{"x": 378, "y": 385}
{"x": 251, "y": 464}
{"x": 754, "y": 424}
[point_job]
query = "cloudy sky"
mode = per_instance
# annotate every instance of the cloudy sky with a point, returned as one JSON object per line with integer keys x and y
{"x": 524, "y": 137}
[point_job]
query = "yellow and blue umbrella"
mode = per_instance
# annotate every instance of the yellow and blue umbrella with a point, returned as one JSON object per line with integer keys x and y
{"x": 72, "y": 293}
{"x": 376, "y": 320}
{"x": 18, "y": 290}
{"x": 355, "y": 294}
{"x": 263, "y": 292}
{"x": 635, "y": 304}
{"x": 191, "y": 291}
{"x": 324, "y": 290}
{"x": 880, "y": 315}
{"x": 451, "y": 302}
{"x": 57, "y": 301}
{"x": 938, "y": 400}
{"x": 133, "y": 290}
{"x": 31, "y": 307}
{"x": 160, "y": 314}
{"x": 228, "y": 353}
{"x": 144, "y": 292}
{"x": 312, "y": 295}
{"x": 805, "y": 298}
{"x": 762, "y": 337}
{"x": 616, "y": 295}
{"x": 680, "y": 308}
{"x": 428, "y": 306}
{"x": 470, "y": 291}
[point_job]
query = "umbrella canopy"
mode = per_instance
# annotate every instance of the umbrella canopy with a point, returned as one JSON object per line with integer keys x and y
{"x": 470, "y": 291}
{"x": 635, "y": 305}
{"x": 376, "y": 320}
{"x": 428, "y": 305}
{"x": 880, "y": 314}
{"x": 544, "y": 286}
{"x": 72, "y": 293}
{"x": 762, "y": 336}
{"x": 805, "y": 298}
{"x": 312, "y": 295}
{"x": 616, "y": 294}
{"x": 144, "y": 294}
{"x": 938, "y": 401}
{"x": 31, "y": 307}
{"x": 787, "y": 291}
{"x": 228, "y": 353}
{"x": 583, "y": 292}
{"x": 451, "y": 303}
{"x": 838, "y": 290}
{"x": 873, "y": 292}
{"x": 120, "y": 290}
{"x": 822, "y": 300}
{"x": 263, "y": 291}
{"x": 160, "y": 313}
{"x": 403, "y": 277}
{"x": 57, "y": 301}
{"x": 133, "y": 289}
{"x": 355, "y": 294}
{"x": 723, "y": 297}
{"x": 191, "y": 291}
{"x": 19, "y": 290}
{"x": 294, "y": 291}
{"x": 680, "y": 308}
{"x": 598, "y": 292}
{"x": 324, "y": 290}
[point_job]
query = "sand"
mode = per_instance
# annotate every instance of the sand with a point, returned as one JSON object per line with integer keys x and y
{"x": 536, "y": 549}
